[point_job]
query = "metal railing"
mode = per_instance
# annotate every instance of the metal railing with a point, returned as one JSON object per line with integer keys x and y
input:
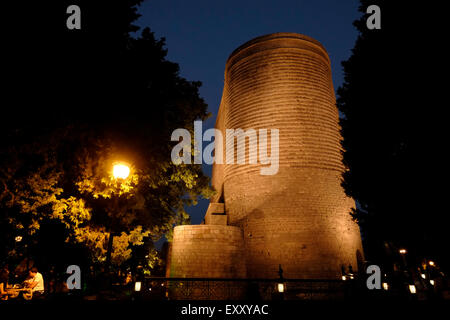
{"x": 239, "y": 289}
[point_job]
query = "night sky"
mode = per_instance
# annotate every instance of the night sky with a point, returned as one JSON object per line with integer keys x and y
{"x": 201, "y": 34}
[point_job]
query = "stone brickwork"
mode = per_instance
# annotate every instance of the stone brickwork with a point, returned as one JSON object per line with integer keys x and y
{"x": 216, "y": 214}
{"x": 207, "y": 251}
{"x": 298, "y": 218}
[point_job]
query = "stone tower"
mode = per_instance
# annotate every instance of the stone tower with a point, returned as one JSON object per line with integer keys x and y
{"x": 299, "y": 217}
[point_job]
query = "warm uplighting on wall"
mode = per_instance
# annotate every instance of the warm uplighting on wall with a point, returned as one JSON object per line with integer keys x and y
{"x": 412, "y": 289}
{"x": 137, "y": 286}
{"x": 121, "y": 171}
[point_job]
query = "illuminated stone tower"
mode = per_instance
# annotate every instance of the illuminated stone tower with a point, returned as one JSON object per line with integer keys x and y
{"x": 299, "y": 217}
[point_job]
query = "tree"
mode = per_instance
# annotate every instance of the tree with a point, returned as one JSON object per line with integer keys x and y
{"x": 106, "y": 97}
{"x": 391, "y": 104}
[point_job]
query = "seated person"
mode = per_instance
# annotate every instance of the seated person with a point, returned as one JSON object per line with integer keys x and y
{"x": 35, "y": 282}
{"x": 4, "y": 273}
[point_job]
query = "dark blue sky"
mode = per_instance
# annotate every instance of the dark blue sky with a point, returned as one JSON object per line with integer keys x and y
{"x": 201, "y": 34}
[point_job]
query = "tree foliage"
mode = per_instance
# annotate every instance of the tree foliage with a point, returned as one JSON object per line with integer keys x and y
{"x": 390, "y": 105}
{"x": 103, "y": 96}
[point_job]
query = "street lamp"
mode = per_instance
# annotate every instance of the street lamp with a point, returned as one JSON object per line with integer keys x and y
{"x": 137, "y": 286}
{"x": 121, "y": 171}
{"x": 403, "y": 254}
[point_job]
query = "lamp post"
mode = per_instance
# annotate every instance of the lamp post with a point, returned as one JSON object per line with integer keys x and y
{"x": 120, "y": 172}
{"x": 281, "y": 287}
{"x": 403, "y": 254}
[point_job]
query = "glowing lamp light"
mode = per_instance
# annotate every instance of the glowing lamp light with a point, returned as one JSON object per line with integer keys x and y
{"x": 385, "y": 286}
{"x": 431, "y": 263}
{"x": 402, "y": 251}
{"x": 121, "y": 171}
{"x": 432, "y": 282}
{"x": 423, "y": 275}
{"x": 137, "y": 286}
{"x": 280, "y": 287}
{"x": 18, "y": 238}
{"x": 412, "y": 289}
{"x": 344, "y": 278}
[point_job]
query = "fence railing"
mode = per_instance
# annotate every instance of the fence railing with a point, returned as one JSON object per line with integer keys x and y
{"x": 253, "y": 289}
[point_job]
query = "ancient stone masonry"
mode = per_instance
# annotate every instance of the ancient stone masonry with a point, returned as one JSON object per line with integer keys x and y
{"x": 299, "y": 217}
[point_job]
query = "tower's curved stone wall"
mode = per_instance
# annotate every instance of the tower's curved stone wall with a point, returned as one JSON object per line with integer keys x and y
{"x": 298, "y": 218}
